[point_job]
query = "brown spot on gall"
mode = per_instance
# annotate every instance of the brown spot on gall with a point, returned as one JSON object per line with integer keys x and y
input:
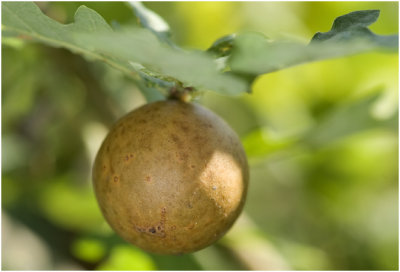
{"x": 174, "y": 138}
{"x": 182, "y": 156}
{"x": 184, "y": 127}
{"x": 152, "y": 230}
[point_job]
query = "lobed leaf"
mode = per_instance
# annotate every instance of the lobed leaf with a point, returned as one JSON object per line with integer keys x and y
{"x": 254, "y": 54}
{"x": 92, "y": 37}
{"x": 355, "y": 24}
{"x": 151, "y": 20}
{"x": 25, "y": 20}
{"x": 352, "y": 22}
{"x": 246, "y": 55}
{"x": 191, "y": 68}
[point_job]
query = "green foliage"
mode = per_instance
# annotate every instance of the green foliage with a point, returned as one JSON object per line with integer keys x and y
{"x": 252, "y": 53}
{"x": 255, "y": 54}
{"x": 127, "y": 258}
{"x": 88, "y": 250}
{"x": 152, "y": 21}
{"x": 353, "y": 26}
{"x": 346, "y": 120}
{"x": 91, "y": 36}
{"x": 84, "y": 216}
{"x": 262, "y": 143}
{"x": 192, "y": 69}
{"x": 321, "y": 138}
{"x": 26, "y": 19}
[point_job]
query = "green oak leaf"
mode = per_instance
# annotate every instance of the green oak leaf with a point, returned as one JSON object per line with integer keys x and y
{"x": 26, "y": 21}
{"x": 255, "y": 54}
{"x": 194, "y": 68}
{"x": 355, "y": 24}
{"x": 92, "y": 37}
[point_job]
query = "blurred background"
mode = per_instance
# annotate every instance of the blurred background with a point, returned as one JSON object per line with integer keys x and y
{"x": 321, "y": 138}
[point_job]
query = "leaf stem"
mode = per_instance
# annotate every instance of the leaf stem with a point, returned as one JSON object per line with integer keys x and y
{"x": 181, "y": 93}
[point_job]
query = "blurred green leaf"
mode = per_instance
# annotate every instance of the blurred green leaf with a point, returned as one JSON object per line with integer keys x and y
{"x": 218, "y": 257}
{"x": 12, "y": 42}
{"x": 305, "y": 257}
{"x": 89, "y": 250}
{"x": 251, "y": 246}
{"x": 176, "y": 262}
{"x": 262, "y": 142}
{"x": 347, "y": 119}
{"x": 18, "y": 95}
{"x": 15, "y": 149}
{"x": 10, "y": 190}
{"x": 254, "y": 54}
{"x": 127, "y": 258}
{"x": 70, "y": 207}
{"x": 151, "y": 20}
